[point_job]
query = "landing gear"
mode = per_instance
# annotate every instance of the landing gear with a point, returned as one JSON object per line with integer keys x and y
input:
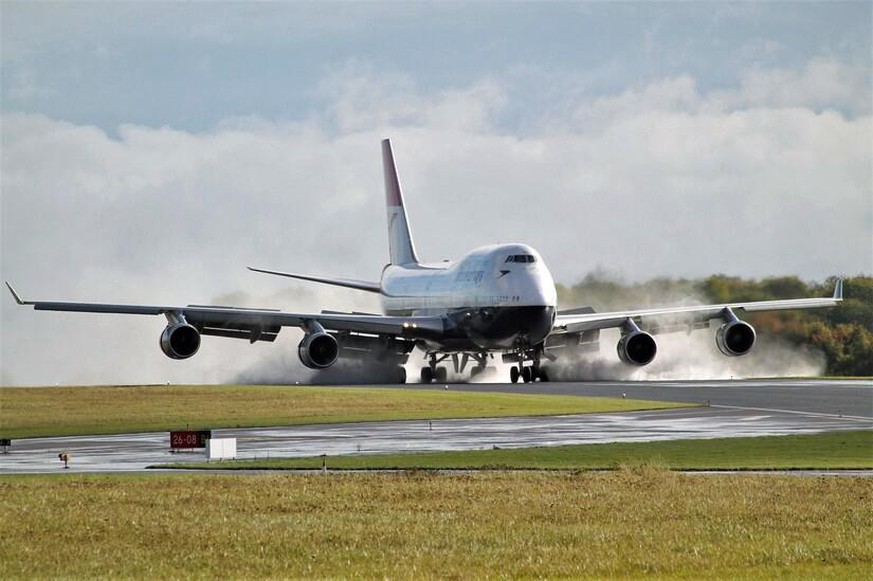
{"x": 530, "y": 373}
{"x": 526, "y": 374}
{"x": 433, "y": 373}
{"x": 401, "y": 375}
{"x": 521, "y": 354}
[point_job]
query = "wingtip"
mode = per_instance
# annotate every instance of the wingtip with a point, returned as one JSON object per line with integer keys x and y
{"x": 15, "y": 295}
{"x": 838, "y": 289}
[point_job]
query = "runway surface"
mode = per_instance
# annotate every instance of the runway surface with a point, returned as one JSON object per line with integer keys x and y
{"x": 737, "y": 408}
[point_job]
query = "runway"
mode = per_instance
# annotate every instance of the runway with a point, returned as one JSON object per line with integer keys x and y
{"x": 737, "y": 408}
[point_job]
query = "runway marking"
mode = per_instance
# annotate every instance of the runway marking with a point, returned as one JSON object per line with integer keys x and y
{"x": 796, "y": 412}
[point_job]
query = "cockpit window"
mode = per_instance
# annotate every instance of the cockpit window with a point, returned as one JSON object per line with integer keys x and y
{"x": 520, "y": 258}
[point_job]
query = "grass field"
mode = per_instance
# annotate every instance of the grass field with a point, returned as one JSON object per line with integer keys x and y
{"x": 67, "y": 411}
{"x": 830, "y": 450}
{"x": 630, "y": 522}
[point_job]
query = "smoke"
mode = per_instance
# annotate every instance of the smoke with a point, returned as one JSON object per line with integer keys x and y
{"x": 280, "y": 364}
{"x": 680, "y": 356}
{"x": 692, "y": 357}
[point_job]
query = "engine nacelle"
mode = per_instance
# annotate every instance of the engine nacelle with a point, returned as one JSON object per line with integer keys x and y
{"x": 735, "y": 338}
{"x": 180, "y": 341}
{"x": 637, "y": 348}
{"x": 318, "y": 350}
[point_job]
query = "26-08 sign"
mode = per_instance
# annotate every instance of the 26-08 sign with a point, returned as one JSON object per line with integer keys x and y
{"x": 189, "y": 438}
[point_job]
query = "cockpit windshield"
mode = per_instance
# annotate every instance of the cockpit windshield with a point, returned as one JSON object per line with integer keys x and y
{"x": 520, "y": 258}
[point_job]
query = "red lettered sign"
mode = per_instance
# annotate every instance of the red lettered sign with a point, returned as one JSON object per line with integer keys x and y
{"x": 189, "y": 439}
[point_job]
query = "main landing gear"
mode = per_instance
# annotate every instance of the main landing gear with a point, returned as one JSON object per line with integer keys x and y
{"x": 434, "y": 372}
{"x": 528, "y": 373}
{"x": 431, "y": 374}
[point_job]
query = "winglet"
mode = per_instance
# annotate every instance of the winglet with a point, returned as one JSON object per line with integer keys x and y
{"x": 838, "y": 290}
{"x": 17, "y": 297}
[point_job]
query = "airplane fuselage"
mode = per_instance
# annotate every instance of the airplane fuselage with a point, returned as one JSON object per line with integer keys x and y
{"x": 496, "y": 297}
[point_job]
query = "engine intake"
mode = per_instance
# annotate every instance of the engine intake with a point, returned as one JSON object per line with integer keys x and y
{"x": 735, "y": 338}
{"x": 637, "y": 348}
{"x": 180, "y": 341}
{"x": 318, "y": 350}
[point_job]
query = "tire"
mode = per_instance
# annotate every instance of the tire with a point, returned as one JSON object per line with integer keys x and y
{"x": 426, "y": 375}
{"x": 513, "y": 374}
{"x": 401, "y": 375}
{"x": 442, "y": 374}
{"x": 527, "y": 375}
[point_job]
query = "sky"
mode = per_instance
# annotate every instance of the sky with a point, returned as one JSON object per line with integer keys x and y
{"x": 152, "y": 150}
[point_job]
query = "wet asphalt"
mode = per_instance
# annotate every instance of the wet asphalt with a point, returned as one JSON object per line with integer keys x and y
{"x": 731, "y": 409}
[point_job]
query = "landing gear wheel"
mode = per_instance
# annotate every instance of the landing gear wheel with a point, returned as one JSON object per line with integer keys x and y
{"x": 476, "y": 371}
{"x": 441, "y": 375}
{"x": 527, "y": 374}
{"x": 513, "y": 374}
{"x": 401, "y": 375}
{"x": 426, "y": 375}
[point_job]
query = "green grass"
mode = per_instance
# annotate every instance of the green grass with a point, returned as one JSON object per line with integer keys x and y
{"x": 830, "y": 450}
{"x": 67, "y": 411}
{"x": 627, "y": 523}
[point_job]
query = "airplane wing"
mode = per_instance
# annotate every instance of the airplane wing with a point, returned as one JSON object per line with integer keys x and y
{"x": 665, "y": 320}
{"x": 256, "y": 324}
{"x": 364, "y": 285}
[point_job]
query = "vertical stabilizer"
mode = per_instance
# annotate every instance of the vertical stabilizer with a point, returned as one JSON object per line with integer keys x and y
{"x": 400, "y": 243}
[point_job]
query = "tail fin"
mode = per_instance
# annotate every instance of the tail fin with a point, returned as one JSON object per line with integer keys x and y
{"x": 400, "y": 243}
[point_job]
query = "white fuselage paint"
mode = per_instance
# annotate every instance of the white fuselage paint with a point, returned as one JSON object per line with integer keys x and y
{"x": 482, "y": 279}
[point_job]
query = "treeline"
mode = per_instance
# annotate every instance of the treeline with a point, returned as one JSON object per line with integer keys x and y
{"x": 844, "y": 333}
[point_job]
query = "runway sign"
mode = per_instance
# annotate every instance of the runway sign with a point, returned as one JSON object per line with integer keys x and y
{"x": 187, "y": 439}
{"x": 221, "y": 449}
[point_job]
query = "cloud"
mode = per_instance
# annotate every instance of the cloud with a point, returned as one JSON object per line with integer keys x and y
{"x": 360, "y": 100}
{"x": 661, "y": 179}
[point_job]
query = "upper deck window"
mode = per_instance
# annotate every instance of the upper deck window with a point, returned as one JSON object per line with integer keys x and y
{"x": 520, "y": 258}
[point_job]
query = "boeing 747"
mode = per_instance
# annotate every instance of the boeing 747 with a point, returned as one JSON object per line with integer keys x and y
{"x": 496, "y": 300}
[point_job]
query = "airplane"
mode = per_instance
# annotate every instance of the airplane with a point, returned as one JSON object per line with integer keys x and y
{"x": 497, "y": 299}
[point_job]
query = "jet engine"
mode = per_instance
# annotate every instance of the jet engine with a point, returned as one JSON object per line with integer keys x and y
{"x": 318, "y": 349}
{"x": 180, "y": 341}
{"x": 637, "y": 347}
{"x": 735, "y": 338}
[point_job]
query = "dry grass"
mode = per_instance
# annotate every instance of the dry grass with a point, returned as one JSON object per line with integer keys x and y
{"x": 632, "y": 522}
{"x": 31, "y": 412}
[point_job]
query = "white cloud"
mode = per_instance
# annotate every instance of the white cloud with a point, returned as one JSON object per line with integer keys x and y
{"x": 822, "y": 84}
{"x": 361, "y": 100}
{"x": 660, "y": 180}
